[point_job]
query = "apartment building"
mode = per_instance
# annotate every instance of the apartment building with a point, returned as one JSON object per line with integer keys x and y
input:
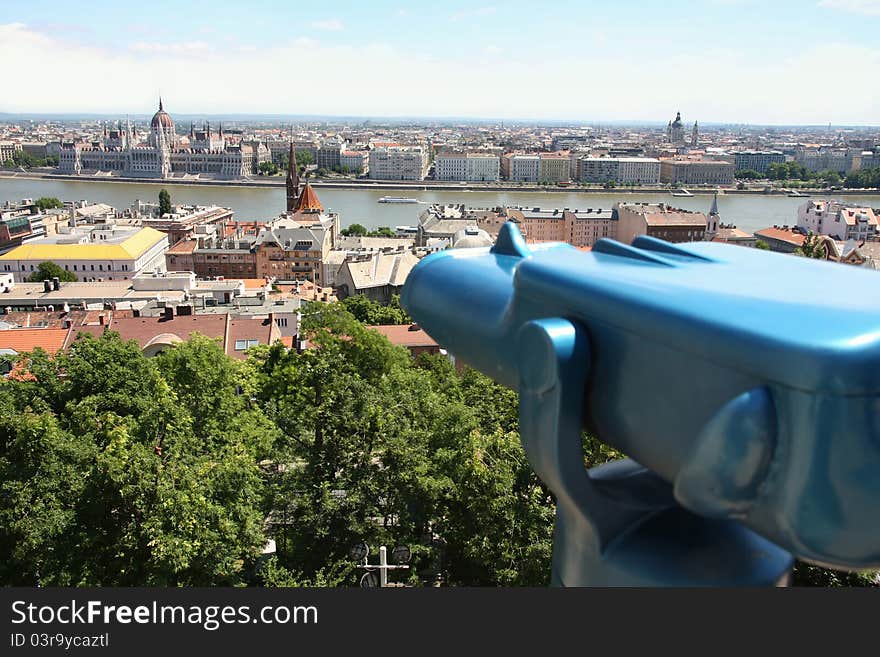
{"x": 696, "y": 172}
{"x": 398, "y": 163}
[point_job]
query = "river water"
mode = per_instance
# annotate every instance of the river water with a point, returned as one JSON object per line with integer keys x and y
{"x": 748, "y": 212}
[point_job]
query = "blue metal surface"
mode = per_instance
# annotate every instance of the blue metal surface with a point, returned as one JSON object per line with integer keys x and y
{"x": 744, "y": 385}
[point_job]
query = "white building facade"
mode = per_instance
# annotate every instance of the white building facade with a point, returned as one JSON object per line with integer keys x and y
{"x": 398, "y": 163}
{"x": 470, "y": 167}
{"x": 838, "y": 220}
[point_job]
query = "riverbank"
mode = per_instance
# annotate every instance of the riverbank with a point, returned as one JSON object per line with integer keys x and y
{"x": 433, "y": 185}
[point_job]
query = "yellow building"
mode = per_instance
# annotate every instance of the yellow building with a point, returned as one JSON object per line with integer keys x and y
{"x": 91, "y": 253}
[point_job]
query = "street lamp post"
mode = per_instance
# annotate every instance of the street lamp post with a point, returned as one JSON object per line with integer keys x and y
{"x": 400, "y": 555}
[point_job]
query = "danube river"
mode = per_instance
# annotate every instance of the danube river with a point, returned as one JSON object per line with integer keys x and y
{"x": 746, "y": 211}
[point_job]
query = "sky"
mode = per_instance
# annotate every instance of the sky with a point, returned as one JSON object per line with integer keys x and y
{"x": 717, "y": 61}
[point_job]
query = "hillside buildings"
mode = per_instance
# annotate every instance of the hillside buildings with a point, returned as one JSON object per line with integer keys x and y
{"x": 660, "y": 221}
{"x": 840, "y": 221}
{"x": 91, "y": 253}
{"x": 578, "y": 227}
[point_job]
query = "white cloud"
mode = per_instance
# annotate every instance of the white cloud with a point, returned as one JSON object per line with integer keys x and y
{"x": 596, "y": 83}
{"x": 865, "y": 7}
{"x": 182, "y": 48}
{"x": 333, "y": 24}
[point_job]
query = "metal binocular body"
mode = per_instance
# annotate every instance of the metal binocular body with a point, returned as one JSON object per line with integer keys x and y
{"x": 743, "y": 385}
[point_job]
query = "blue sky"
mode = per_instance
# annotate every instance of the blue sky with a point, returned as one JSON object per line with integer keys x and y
{"x": 749, "y": 61}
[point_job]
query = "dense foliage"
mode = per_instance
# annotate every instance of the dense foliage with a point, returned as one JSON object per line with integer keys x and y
{"x": 359, "y": 230}
{"x": 813, "y": 247}
{"x": 48, "y": 270}
{"x": 116, "y": 469}
{"x": 49, "y": 202}
{"x": 164, "y": 202}
{"x": 373, "y": 313}
{"x": 866, "y": 178}
{"x": 23, "y": 159}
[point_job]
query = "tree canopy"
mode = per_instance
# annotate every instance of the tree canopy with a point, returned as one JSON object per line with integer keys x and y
{"x": 864, "y": 179}
{"x": 117, "y": 469}
{"x": 48, "y": 203}
{"x": 164, "y": 202}
{"x": 813, "y": 247}
{"x": 48, "y": 270}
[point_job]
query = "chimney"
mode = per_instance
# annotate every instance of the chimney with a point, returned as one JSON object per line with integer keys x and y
{"x": 56, "y": 283}
{"x": 169, "y": 312}
{"x": 47, "y": 285}
{"x": 102, "y": 319}
{"x": 67, "y": 323}
{"x": 136, "y": 312}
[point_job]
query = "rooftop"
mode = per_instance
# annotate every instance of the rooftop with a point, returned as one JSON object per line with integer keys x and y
{"x": 21, "y": 340}
{"x": 123, "y": 244}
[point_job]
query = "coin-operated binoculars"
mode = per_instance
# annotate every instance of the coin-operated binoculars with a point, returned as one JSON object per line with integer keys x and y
{"x": 744, "y": 386}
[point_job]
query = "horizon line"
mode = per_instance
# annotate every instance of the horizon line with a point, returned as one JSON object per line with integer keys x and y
{"x": 416, "y": 118}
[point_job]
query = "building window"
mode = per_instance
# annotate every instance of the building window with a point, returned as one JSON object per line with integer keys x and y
{"x": 243, "y": 345}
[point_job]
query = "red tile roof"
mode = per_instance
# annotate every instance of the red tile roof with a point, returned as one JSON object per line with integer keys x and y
{"x": 22, "y": 340}
{"x": 308, "y": 201}
{"x": 183, "y": 246}
{"x": 406, "y": 335}
{"x": 782, "y": 235}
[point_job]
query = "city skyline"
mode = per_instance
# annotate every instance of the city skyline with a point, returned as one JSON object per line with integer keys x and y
{"x": 797, "y": 63}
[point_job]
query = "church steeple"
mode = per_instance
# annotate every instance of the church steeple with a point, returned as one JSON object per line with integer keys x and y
{"x": 292, "y": 180}
{"x": 695, "y": 135}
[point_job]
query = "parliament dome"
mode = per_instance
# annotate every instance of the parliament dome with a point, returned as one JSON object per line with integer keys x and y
{"x": 161, "y": 118}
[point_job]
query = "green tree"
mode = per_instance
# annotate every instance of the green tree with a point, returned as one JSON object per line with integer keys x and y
{"x": 761, "y": 244}
{"x": 115, "y": 474}
{"x": 49, "y": 202}
{"x": 371, "y": 312}
{"x": 805, "y": 574}
{"x": 863, "y": 179}
{"x": 813, "y": 247}
{"x": 268, "y": 168}
{"x": 356, "y": 230}
{"x": 830, "y": 177}
{"x": 48, "y": 270}
{"x": 382, "y": 231}
{"x": 304, "y": 158}
{"x": 164, "y": 202}
{"x": 747, "y": 174}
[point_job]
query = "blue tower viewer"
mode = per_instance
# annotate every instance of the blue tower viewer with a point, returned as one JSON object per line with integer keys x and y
{"x": 744, "y": 386}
